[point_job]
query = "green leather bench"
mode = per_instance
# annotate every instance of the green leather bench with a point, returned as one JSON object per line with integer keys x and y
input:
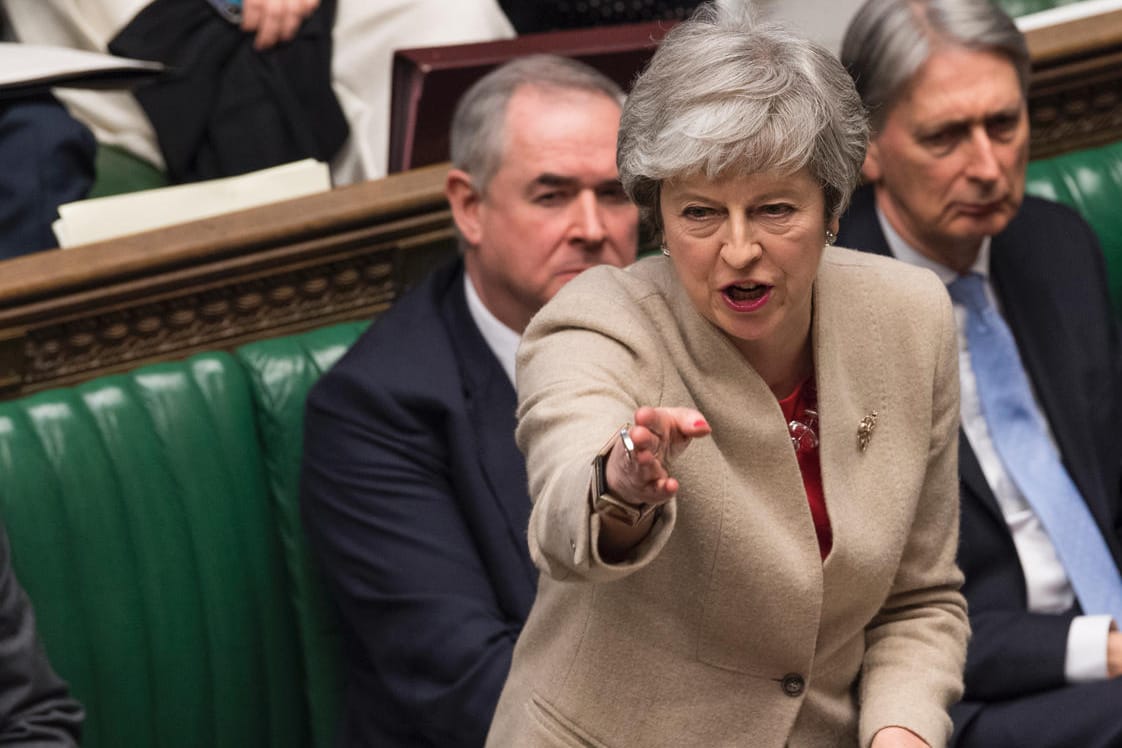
{"x": 155, "y": 524}
{"x": 118, "y": 171}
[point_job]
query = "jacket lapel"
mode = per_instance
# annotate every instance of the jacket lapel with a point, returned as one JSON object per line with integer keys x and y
{"x": 491, "y": 403}
{"x": 1032, "y": 309}
{"x": 849, "y": 354}
{"x": 860, "y": 228}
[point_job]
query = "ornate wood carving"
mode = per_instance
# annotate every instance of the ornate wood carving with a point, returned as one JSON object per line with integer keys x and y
{"x": 1076, "y": 106}
{"x": 172, "y": 292}
{"x": 1075, "y": 97}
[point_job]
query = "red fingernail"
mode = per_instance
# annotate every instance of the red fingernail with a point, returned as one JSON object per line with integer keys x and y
{"x": 699, "y": 423}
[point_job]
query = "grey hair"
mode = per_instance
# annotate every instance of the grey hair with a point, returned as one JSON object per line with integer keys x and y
{"x": 889, "y": 40}
{"x": 478, "y": 138}
{"x": 723, "y": 95}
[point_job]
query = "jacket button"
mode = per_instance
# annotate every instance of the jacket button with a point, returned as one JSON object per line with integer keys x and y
{"x": 793, "y": 685}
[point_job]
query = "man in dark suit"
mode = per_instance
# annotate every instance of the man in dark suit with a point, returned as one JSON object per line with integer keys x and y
{"x": 945, "y": 83}
{"x": 414, "y": 493}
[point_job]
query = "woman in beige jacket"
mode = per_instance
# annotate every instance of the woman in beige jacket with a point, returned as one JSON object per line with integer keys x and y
{"x": 763, "y": 553}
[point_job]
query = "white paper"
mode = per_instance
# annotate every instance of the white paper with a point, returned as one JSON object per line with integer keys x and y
{"x": 103, "y": 218}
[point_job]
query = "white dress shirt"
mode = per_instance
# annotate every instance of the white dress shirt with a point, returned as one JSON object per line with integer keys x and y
{"x": 1047, "y": 585}
{"x": 502, "y": 341}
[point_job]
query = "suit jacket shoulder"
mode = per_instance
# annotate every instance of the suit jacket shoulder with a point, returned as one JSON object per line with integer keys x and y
{"x": 408, "y": 347}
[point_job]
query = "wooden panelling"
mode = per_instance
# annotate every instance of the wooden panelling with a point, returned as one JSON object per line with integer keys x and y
{"x": 69, "y": 315}
{"x": 1075, "y": 98}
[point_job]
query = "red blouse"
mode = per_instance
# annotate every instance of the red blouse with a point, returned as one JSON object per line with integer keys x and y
{"x": 800, "y": 408}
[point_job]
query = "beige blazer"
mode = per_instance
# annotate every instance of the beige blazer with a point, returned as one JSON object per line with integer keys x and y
{"x": 726, "y": 628}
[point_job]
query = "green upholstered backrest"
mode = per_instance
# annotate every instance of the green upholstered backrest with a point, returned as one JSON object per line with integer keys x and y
{"x": 282, "y": 371}
{"x": 1090, "y": 181}
{"x": 119, "y": 171}
{"x": 140, "y": 526}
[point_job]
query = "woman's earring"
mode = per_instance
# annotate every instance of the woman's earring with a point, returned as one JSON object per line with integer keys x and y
{"x": 665, "y": 249}
{"x": 830, "y": 237}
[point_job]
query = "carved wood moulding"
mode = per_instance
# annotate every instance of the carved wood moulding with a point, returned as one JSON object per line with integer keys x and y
{"x": 316, "y": 266}
{"x": 1075, "y": 96}
{"x": 1076, "y": 106}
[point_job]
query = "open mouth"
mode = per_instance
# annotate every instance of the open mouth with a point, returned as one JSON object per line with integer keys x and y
{"x": 747, "y": 296}
{"x": 752, "y": 292}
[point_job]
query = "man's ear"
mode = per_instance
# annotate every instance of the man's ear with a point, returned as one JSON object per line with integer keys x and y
{"x": 465, "y": 203}
{"x": 871, "y": 170}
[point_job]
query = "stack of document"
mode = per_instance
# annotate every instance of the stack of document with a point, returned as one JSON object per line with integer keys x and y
{"x": 103, "y": 218}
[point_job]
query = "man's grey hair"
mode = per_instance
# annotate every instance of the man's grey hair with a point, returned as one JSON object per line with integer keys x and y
{"x": 723, "y": 95}
{"x": 478, "y": 139}
{"x": 889, "y": 40}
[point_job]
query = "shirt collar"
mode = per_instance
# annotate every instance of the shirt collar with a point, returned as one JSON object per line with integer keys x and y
{"x": 905, "y": 252}
{"x": 502, "y": 341}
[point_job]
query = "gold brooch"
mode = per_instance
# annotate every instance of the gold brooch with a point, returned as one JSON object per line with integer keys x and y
{"x": 865, "y": 430}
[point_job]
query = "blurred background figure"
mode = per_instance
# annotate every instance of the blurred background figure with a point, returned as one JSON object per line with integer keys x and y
{"x": 350, "y": 44}
{"x": 48, "y": 160}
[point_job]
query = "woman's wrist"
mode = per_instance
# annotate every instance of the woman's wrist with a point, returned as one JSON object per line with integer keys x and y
{"x": 608, "y": 502}
{"x": 618, "y": 538}
{"x": 623, "y": 522}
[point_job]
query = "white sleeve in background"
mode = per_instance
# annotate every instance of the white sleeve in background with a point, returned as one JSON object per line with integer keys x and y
{"x": 366, "y": 34}
{"x": 115, "y": 117}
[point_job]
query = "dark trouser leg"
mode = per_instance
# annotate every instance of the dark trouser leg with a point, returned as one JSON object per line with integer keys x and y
{"x": 1081, "y": 716}
{"x": 47, "y": 159}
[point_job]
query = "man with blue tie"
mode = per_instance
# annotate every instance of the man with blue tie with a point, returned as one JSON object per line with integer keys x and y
{"x": 1040, "y": 457}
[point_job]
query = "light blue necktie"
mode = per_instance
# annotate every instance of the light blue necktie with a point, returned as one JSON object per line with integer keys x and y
{"x": 1028, "y": 455}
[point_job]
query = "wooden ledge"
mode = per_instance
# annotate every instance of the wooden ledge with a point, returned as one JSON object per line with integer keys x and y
{"x": 70, "y": 315}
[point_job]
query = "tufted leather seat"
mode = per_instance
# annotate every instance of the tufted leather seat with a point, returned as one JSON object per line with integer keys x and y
{"x": 154, "y": 522}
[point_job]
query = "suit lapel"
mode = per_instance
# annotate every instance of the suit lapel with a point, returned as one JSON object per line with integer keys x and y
{"x": 491, "y": 404}
{"x": 1034, "y": 314}
{"x": 848, "y": 358}
{"x": 860, "y": 228}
